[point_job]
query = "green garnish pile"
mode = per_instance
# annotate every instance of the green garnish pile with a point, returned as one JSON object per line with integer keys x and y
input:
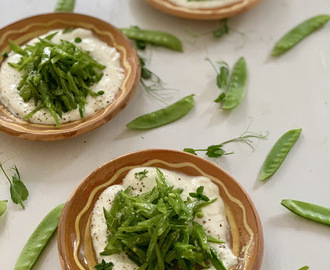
{"x": 57, "y": 77}
{"x": 157, "y": 229}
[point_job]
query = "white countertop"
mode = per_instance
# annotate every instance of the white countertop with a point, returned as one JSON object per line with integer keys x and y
{"x": 289, "y": 92}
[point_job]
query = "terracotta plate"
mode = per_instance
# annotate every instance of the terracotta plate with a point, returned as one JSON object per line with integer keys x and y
{"x": 26, "y": 29}
{"x": 74, "y": 241}
{"x": 205, "y": 13}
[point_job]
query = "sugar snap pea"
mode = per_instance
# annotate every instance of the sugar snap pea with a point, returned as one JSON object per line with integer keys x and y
{"x": 309, "y": 211}
{"x": 278, "y": 153}
{"x": 153, "y": 37}
{"x": 39, "y": 239}
{"x": 237, "y": 85}
{"x": 298, "y": 33}
{"x": 163, "y": 116}
{"x": 3, "y": 207}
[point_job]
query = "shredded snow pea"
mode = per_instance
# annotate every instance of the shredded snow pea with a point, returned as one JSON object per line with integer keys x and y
{"x": 157, "y": 231}
{"x": 309, "y": 211}
{"x": 278, "y": 153}
{"x": 57, "y": 77}
{"x": 163, "y": 116}
{"x": 64, "y": 5}
{"x": 298, "y": 33}
{"x": 237, "y": 85}
{"x": 39, "y": 239}
{"x": 158, "y": 38}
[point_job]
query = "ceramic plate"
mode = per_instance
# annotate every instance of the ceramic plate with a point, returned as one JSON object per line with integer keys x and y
{"x": 26, "y": 29}
{"x": 205, "y": 13}
{"x": 74, "y": 241}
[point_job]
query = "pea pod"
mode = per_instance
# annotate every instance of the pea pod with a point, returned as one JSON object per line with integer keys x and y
{"x": 64, "y": 5}
{"x": 154, "y": 37}
{"x": 237, "y": 85}
{"x": 3, "y": 207}
{"x": 278, "y": 153}
{"x": 39, "y": 239}
{"x": 309, "y": 211}
{"x": 304, "y": 268}
{"x": 163, "y": 116}
{"x": 298, "y": 33}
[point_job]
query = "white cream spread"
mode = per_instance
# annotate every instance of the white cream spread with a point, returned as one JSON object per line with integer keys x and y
{"x": 204, "y": 4}
{"x": 110, "y": 83}
{"x": 214, "y": 220}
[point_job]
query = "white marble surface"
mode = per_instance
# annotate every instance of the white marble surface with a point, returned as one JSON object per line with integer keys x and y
{"x": 288, "y": 92}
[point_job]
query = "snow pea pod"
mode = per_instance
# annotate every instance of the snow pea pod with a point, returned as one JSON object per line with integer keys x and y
{"x": 39, "y": 239}
{"x": 237, "y": 85}
{"x": 298, "y": 33}
{"x": 163, "y": 116}
{"x": 154, "y": 37}
{"x": 64, "y": 5}
{"x": 309, "y": 211}
{"x": 278, "y": 153}
{"x": 3, "y": 207}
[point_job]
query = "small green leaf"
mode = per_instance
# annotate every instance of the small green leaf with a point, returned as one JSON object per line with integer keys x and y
{"x": 190, "y": 150}
{"x": 140, "y": 175}
{"x": 3, "y": 206}
{"x": 304, "y": 268}
{"x": 104, "y": 266}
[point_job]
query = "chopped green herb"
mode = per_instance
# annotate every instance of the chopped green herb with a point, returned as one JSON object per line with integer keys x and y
{"x": 18, "y": 190}
{"x": 217, "y": 150}
{"x": 57, "y": 77}
{"x": 77, "y": 40}
{"x": 3, "y": 207}
{"x": 141, "y": 175}
{"x": 156, "y": 229}
{"x": 5, "y": 55}
{"x": 199, "y": 194}
{"x": 104, "y": 266}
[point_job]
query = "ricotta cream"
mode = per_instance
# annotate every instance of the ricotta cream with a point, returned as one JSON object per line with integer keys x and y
{"x": 214, "y": 220}
{"x": 110, "y": 83}
{"x": 204, "y": 4}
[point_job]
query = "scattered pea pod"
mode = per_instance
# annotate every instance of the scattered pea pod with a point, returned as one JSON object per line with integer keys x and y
{"x": 298, "y": 33}
{"x": 163, "y": 116}
{"x": 3, "y": 207}
{"x": 154, "y": 37}
{"x": 237, "y": 85}
{"x": 278, "y": 153}
{"x": 64, "y": 5}
{"x": 309, "y": 211}
{"x": 39, "y": 239}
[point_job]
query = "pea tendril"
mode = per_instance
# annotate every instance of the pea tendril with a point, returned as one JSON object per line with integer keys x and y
{"x": 217, "y": 150}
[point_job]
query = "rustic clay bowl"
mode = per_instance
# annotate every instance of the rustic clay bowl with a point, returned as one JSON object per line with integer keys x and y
{"x": 26, "y": 29}
{"x": 74, "y": 241}
{"x": 203, "y": 14}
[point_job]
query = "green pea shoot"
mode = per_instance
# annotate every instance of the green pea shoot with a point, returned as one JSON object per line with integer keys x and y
{"x": 18, "y": 190}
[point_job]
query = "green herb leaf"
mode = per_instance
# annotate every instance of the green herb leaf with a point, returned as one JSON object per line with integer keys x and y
{"x": 304, "y": 268}
{"x": 199, "y": 194}
{"x": 224, "y": 29}
{"x": 104, "y": 266}
{"x": 141, "y": 175}
{"x": 3, "y": 207}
